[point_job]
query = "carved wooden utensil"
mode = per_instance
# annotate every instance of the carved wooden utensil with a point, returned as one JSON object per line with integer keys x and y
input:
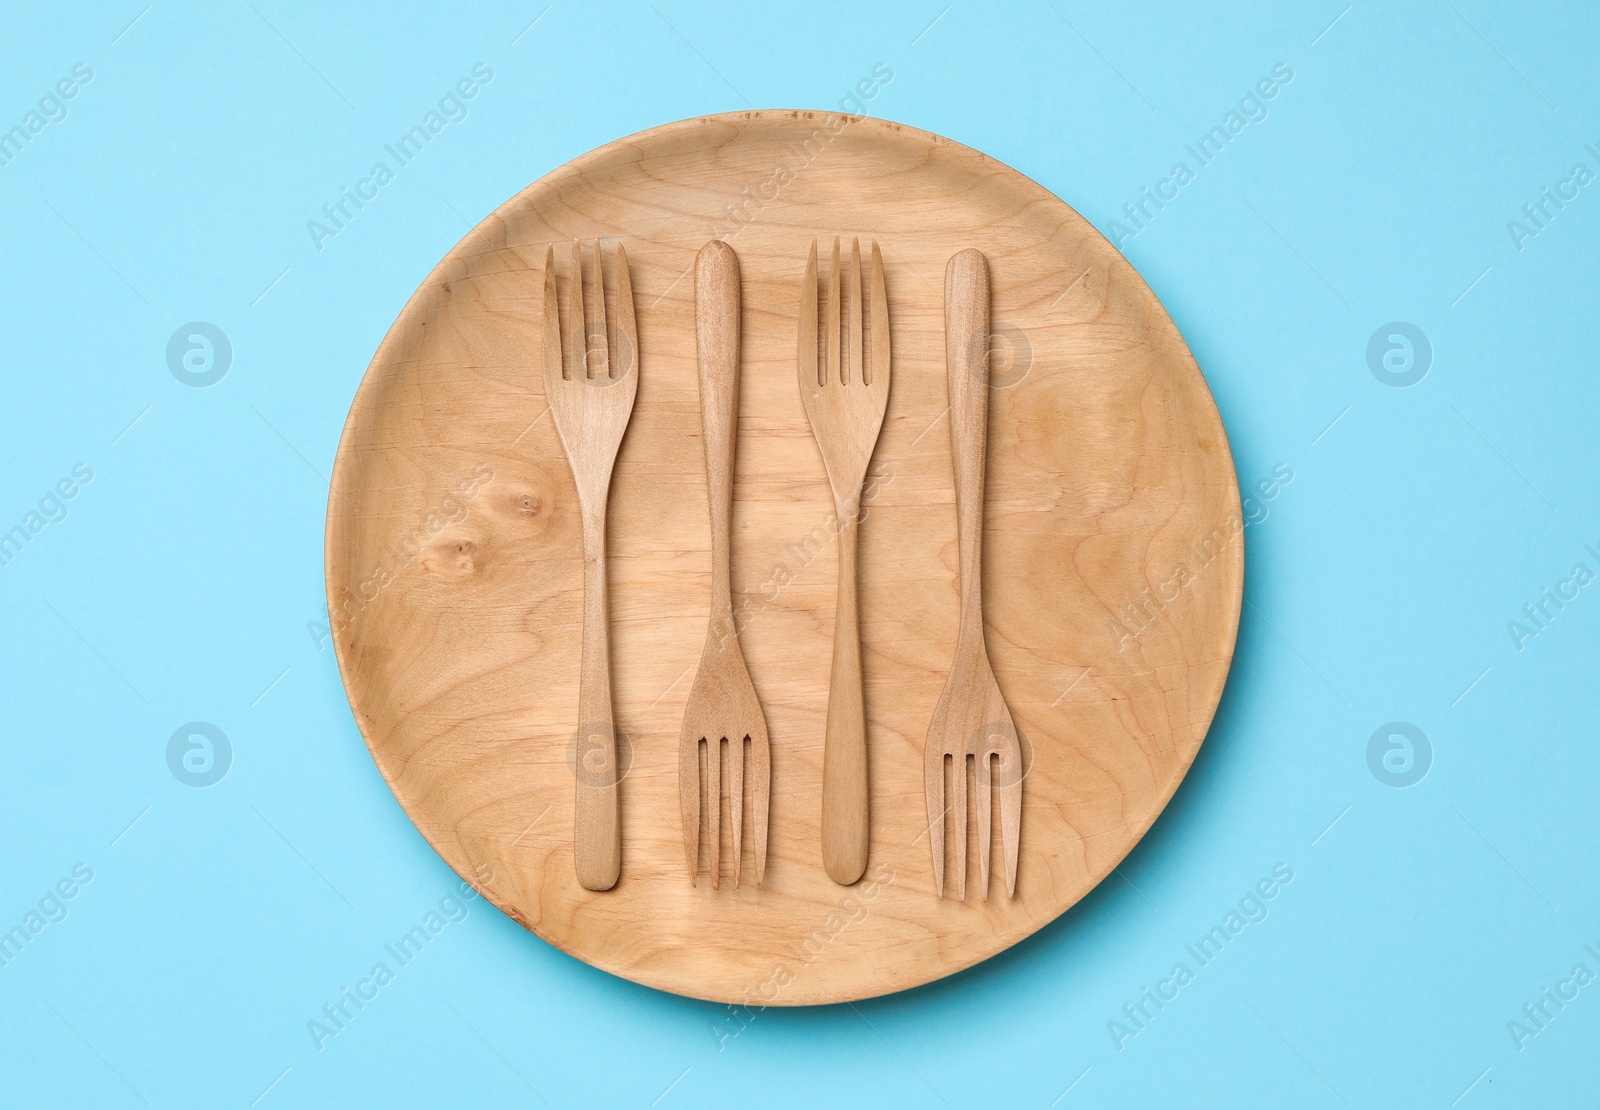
{"x": 722, "y": 704}
{"x": 971, "y": 719}
{"x": 590, "y": 380}
{"x": 845, "y": 399}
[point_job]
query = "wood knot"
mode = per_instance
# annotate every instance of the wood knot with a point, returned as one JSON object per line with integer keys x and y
{"x": 464, "y": 556}
{"x": 455, "y": 557}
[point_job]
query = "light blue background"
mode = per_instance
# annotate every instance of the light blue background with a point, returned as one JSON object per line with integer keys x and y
{"x": 186, "y": 582}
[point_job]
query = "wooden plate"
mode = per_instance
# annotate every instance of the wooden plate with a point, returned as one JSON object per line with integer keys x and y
{"x": 1114, "y": 558}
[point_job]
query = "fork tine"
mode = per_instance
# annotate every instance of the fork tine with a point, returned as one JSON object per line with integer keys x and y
{"x": 878, "y": 364}
{"x": 713, "y": 786}
{"x": 595, "y": 325}
{"x": 552, "y": 318}
{"x": 760, "y": 789}
{"x": 984, "y": 831}
{"x": 832, "y": 374}
{"x": 577, "y": 331}
{"x": 689, "y": 805}
{"x": 958, "y": 821}
{"x": 736, "y": 799}
{"x": 852, "y": 296}
{"x": 933, "y": 791}
{"x": 806, "y": 350}
{"x": 1011, "y": 824}
{"x": 627, "y": 326}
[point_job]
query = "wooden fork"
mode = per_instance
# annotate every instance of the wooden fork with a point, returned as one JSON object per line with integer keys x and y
{"x": 722, "y": 704}
{"x": 590, "y": 380}
{"x": 971, "y": 719}
{"x": 845, "y": 399}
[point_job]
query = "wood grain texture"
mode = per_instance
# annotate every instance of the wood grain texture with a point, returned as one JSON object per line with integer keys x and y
{"x": 1113, "y": 555}
{"x": 591, "y": 379}
{"x": 845, "y": 399}
{"x": 723, "y": 747}
{"x": 971, "y": 720}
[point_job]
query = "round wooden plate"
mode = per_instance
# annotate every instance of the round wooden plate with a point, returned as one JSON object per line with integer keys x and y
{"x": 1113, "y": 560}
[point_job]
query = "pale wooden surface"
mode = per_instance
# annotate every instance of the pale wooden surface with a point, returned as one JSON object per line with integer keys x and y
{"x": 844, "y": 386}
{"x": 455, "y": 574}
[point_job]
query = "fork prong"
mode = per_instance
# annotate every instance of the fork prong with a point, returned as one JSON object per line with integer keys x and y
{"x": 852, "y": 296}
{"x": 736, "y": 799}
{"x": 689, "y": 805}
{"x": 577, "y": 338}
{"x": 958, "y": 821}
{"x": 832, "y": 374}
{"x": 984, "y": 838}
{"x": 595, "y": 324}
{"x": 759, "y": 788}
{"x": 626, "y": 352}
{"x": 806, "y": 347}
{"x": 713, "y": 806}
{"x": 1011, "y": 823}
{"x": 933, "y": 791}
{"x": 552, "y": 319}
{"x": 878, "y": 362}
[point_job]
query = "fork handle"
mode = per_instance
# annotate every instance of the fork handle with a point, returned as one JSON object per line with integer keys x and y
{"x": 844, "y": 751}
{"x": 597, "y": 833}
{"x": 966, "y": 339}
{"x": 716, "y": 322}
